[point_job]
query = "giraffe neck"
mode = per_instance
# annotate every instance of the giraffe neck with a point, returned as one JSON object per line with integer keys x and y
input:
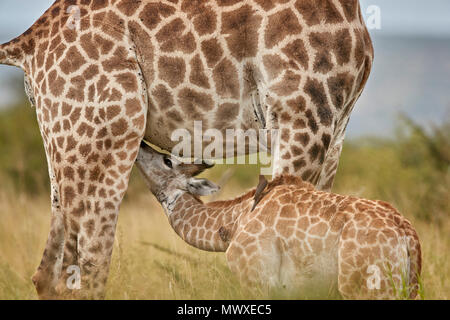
{"x": 207, "y": 226}
{"x": 211, "y": 226}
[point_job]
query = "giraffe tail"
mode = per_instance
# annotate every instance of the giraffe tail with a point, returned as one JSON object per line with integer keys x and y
{"x": 15, "y": 52}
{"x": 415, "y": 261}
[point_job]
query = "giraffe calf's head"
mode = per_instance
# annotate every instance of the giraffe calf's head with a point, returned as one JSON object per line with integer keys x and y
{"x": 166, "y": 175}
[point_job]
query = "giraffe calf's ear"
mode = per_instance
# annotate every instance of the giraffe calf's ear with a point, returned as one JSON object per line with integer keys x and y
{"x": 201, "y": 187}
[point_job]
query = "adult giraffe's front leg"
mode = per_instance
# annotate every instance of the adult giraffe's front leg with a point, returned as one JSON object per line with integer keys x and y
{"x": 311, "y": 117}
{"x": 331, "y": 163}
{"x": 303, "y": 136}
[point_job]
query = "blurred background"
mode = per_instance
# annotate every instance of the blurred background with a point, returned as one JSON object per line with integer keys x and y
{"x": 397, "y": 150}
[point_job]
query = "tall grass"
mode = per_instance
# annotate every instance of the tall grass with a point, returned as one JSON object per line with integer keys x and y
{"x": 410, "y": 170}
{"x": 151, "y": 262}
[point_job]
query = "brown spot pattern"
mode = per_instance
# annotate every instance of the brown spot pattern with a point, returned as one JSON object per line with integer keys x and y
{"x": 241, "y": 30}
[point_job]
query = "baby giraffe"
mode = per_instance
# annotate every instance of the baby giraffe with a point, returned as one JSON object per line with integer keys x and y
{"x": 285, "y": 234}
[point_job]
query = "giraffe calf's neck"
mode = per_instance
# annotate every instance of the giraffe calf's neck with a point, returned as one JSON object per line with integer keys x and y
{"x": 286, "y": 234}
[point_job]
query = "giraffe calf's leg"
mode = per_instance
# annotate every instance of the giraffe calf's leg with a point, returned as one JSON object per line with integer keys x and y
{"x": 377, "y": 270}
{"x": 255, "y": 261}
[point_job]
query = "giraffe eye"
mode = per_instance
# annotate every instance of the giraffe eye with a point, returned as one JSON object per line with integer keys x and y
{"x": 168, "y": 163}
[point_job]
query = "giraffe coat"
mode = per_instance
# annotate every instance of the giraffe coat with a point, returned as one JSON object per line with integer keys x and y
{"x": 103, "y": 74}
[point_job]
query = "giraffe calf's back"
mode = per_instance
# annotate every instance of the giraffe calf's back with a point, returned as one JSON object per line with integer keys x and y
{"x": 301, "y": 238}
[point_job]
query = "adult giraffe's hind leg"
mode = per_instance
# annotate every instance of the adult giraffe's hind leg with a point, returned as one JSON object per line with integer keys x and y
{"x": 47, "y": 274}
{"x": 91, "y": 196}
{"x": 49, "y": 269}
{"x": 91, "y": 205}
{"x": 92, "y": 146}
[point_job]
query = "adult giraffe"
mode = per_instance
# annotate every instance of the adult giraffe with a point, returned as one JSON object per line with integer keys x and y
{"x": 104, "y": 74}
{"x": 292, "y": 237}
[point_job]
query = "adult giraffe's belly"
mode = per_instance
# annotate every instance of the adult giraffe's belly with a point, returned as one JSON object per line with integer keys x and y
{"x": 195, "y": 120}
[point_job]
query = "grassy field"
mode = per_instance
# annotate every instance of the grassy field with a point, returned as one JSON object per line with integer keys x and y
{"x": 149, "y": 262}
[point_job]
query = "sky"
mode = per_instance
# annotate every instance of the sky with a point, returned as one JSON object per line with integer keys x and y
{"x": 414, "y": 19}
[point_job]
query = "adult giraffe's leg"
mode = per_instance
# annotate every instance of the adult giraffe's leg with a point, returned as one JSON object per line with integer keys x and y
{"x": 47, "y": 274}
{"x": 91, "y": 196}
{"x": 329, "y": 169}
{"x": 92, "y": 193}
{"x": 92, "y": 136}
{"x": 331, "y": 163}
{"x": 303, "y": 137}
{"x": 299, "y": 107}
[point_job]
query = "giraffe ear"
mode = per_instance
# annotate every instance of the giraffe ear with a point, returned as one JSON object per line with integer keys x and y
{"x": 201, "y": 187}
